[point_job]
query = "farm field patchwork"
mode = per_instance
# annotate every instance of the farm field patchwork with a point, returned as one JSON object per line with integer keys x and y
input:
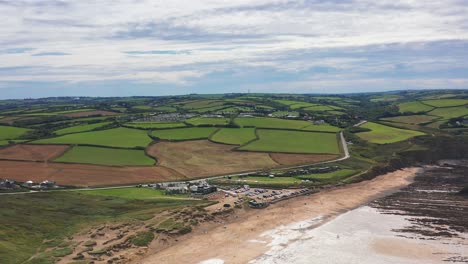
{"x": 212, "y": 121}
{"x": 155, "y": 125}
{"x": 106, "y": 156}
{"x": 450, "y": 112}
{"x": 446, "y": 102}
{"x": 414, "y": 107}
{"x": 268, "y": 122}
{"x": 294, "y": 142}
{"x": 80, "y": 128}
{"x": 32, "y": 152}
{"x": 9, "y": 132}
{"x": 234, "y": 136}
{"x": 185, "y": 133}
{"x": 116, "y": 137}
{"x": 381, "y": 134}
{"x": 411, "y": 119}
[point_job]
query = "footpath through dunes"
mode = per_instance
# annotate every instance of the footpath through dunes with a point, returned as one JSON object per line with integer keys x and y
{"x": 32, "y": 152}
{"x": 248, "y": 234}
{"x": 81, "y": 175}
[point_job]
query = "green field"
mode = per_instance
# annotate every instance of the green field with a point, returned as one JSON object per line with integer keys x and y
{"x": 234, "y": 136}
{"x": 321, "y": 128}
{"x": 167, "y": 109}
{"x": 446, "y": 102}
{"x": 155, "y": 125}
{"x": 450, "y": 112}
{"x": 411, "y": 119}
{"x": 211, "y": 121}
{"x": 117, "y": 137}
{"x": 7, "y": 142}
{"x": 134, "y": 193}
{"x": 9, "y": 132}
{"x": 267, "y": 122}
{"x": 318, "y": 108}
{"x": 414, "y": 107}
{"x": 202, "y": 104}
{"x": 185, "y": 133}
{"x": 30, "y": 223}
{"x": 381, "y": 134}
{"x": 106, "y": 156}
{"x": 294, "y": 142}
{"x": 80, "y": 128}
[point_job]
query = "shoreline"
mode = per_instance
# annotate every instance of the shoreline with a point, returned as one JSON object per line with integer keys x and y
{"x": 241, "y": 238}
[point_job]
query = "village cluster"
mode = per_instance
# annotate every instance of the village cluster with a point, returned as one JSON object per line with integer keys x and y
{"x": 8, "y": 185}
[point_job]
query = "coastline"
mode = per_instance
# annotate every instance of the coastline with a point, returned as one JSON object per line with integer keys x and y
{"x": 244, "y": 237}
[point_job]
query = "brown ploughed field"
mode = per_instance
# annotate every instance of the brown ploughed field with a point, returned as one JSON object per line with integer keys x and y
{"x": 84, "y": 175}
{"x": 32, "y": 152}
{"x": 298, "y": 159}
{"x": 203, "y": 158}
{"x": 91, "y": 113}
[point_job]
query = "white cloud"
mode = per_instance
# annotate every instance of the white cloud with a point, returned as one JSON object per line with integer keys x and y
{"x": 219, "y": 35}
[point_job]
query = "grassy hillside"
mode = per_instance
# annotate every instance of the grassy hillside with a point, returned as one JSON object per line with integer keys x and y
{"x": 382, "y": 134}
{"x": 9, "y": 132}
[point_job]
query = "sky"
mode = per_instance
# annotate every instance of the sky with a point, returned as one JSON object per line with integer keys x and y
{"x": 151, "y": 47}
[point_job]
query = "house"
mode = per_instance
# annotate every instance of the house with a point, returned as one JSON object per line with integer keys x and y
{"x": 47, "y": 184}
{"x": 177, "y": 190}
{"x": 28, "y": 184}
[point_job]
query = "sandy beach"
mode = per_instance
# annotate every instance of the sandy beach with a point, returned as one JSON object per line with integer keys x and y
{"x": 248, "y": 235}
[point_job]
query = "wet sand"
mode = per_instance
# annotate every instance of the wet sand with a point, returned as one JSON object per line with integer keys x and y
{"x": 249, "y": 234}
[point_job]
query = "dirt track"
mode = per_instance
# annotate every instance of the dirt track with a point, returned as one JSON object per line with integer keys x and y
{"x": 84, "y": 175}
{"x": 32, "y": 152}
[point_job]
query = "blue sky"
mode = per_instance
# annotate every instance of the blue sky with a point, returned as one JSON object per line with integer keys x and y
{"x": 149, "y": 47}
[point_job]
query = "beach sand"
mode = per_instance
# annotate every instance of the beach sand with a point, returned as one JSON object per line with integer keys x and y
{"x": 250, "y": 234}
